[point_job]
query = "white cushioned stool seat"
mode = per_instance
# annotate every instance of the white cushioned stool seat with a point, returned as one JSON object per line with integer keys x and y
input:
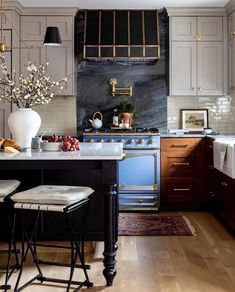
{"x": 7, "y": 186}
{"x": 53, "y": 195}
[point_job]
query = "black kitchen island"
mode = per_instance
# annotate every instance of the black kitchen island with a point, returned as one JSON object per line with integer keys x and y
{"x": 73, "y": 168}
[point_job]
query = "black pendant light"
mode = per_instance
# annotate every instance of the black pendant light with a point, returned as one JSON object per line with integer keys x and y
{"x": 52, "y": 36}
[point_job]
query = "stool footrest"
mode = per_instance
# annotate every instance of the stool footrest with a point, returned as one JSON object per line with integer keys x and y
{"x": 28, "y": 283}
{"x": 87, "y": 267}
{"x": 13, "y": 251}
{"x": 5, "y": 287}
{"x": 54, "y": 280}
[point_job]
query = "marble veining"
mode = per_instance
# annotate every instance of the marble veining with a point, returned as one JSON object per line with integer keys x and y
{"x": 149, "y": 81}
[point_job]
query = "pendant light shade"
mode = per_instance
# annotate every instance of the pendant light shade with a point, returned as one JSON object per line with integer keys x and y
{"x": 52, "y": 36}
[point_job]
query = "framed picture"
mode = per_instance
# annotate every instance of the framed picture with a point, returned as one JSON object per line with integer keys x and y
{"x": 194, "y": 119}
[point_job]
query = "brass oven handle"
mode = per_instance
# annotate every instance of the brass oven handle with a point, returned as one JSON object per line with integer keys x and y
{"x": 185, "y": 190}
{"x": 179, "y": 145}
{"x": 181, "y": 163}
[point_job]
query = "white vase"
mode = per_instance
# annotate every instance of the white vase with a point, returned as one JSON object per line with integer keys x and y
{"x": 24, "y": 124}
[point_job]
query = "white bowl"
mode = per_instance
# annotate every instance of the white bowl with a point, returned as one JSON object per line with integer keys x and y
{"x": 51, "y": 146}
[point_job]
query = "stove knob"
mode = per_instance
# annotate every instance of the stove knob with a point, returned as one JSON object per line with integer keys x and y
{"x": 141, "y": 141}
{"x": 111, "y": 140}
{"x": 91, "y": 140}
{"x": 131, "y": 141}
{"x": 121, "y": 140}
{"x": 151, "y": 141}
{"x": 101, "y": 140}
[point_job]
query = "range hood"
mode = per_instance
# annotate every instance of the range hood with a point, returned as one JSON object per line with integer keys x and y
{"x": 122, "y": 35}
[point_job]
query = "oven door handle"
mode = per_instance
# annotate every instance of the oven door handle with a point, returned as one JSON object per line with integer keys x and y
{"x": 129, "y": 155}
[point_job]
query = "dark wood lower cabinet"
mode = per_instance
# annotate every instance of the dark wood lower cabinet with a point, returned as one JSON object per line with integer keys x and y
{"x": 183, "y": 174}
{"x": 224, "y": 198}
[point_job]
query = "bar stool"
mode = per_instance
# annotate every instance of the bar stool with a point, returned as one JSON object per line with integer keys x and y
{"x": 7, "y": 189}
{"x": 61, "y": 199}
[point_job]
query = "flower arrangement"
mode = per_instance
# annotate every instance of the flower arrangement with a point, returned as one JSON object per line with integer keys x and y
{"x": 34, "y": 88}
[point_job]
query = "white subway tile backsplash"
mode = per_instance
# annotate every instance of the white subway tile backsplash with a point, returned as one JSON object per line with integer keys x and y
{"x": 221, "y": 111}
{"x": 59, "y": 116}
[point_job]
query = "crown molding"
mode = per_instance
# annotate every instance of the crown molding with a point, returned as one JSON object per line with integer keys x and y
{"x": 197, "y": 11}
{"x": 230, "y": 6}
{"x": 15, "y": 5}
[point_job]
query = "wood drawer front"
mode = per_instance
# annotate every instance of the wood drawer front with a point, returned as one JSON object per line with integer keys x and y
{"x": 177, "y": 166}
{"x": 181, "y": 190}
{"x": 178, "y": 144}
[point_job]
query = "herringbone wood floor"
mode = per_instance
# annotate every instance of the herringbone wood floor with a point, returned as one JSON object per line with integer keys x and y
{"x": 201, "y": 263}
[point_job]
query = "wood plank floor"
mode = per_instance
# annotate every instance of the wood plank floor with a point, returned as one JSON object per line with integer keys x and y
{"x": 201, "y": 263}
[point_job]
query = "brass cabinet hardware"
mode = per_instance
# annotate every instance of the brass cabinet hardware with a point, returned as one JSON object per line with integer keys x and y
{"x": 184, "y": 190}
{"x": 120, "y": 90}
{"x": 199, "y": 89}
{"x": 232, "y": 33}
{"x": 179, "y": 145}
{"x": 198, "y": 37}
{"x": 194, "y": 88}
{"x": 224, "y": 184}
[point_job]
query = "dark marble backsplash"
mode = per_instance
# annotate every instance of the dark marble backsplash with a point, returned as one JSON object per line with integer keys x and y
{"x": 149, "y": 81}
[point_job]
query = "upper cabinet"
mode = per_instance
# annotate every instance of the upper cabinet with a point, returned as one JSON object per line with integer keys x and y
{"x": 231, "y": 53}
{"x": 60, "y": 58}
{"x": 196, "y": 55}
{"x": 197, "y": 28}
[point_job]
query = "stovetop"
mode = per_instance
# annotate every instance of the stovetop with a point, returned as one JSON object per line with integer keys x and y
{"x": 122, "y": 132}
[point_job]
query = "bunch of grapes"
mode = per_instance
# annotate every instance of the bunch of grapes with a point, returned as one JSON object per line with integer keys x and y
{"x": 70, "y": 144}
{"x": 55, "y": 138}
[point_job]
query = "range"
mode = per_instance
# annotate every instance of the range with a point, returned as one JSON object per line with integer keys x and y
{"x": 139, "y": 171}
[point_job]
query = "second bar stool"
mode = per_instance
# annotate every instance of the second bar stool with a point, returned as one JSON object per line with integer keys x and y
{"x": 54, "y": 198}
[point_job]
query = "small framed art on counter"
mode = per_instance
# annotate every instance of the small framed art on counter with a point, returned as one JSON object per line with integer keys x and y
{"x": 194, "y": 119}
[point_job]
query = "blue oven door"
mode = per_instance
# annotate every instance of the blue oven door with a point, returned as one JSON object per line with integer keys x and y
{"x": 139, "y": 180}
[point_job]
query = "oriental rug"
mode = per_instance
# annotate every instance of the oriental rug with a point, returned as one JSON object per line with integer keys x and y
{"x": 152, "y": 225}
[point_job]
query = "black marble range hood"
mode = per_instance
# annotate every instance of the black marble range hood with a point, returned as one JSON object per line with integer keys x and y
{"x": 148, "y": 79}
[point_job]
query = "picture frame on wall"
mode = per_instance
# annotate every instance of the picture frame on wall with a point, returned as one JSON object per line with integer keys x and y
{"x": 194, "y": 119}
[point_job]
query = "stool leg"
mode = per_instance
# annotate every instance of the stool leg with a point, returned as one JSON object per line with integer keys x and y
{"x": 78, "y": 243}
{"x": 29, "y": 240}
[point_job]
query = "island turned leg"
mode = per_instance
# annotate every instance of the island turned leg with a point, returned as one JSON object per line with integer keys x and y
{"x": 110, "y": 233}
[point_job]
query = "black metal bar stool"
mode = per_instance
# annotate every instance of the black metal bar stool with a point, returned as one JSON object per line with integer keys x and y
{"x": 61, "y": 199}
{"x": 7, "y": 189}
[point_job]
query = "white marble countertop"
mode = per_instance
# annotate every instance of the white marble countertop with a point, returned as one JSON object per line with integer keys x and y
{"x": 88, "y": 151}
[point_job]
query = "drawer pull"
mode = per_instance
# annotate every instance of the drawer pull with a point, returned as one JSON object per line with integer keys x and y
{"x": 179, "y": 145}
{"x": 224, "y": 184}
{"x": 181, "y": 163}
{"x": 184, "y": 190}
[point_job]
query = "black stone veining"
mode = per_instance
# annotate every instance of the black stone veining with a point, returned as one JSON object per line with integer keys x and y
{"x": 149, "y": 81}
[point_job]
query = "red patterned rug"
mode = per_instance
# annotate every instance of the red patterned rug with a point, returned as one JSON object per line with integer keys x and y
{"x": 155, "y": 225}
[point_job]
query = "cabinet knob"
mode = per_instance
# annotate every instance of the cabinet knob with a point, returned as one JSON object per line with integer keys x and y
{"x": 131, "y": 141}
{"x": 199, "y": 89}
{"x": 198, "y": 37}
{"x": 232, "y": 33}
{"x": 194, "y": 88}
{"x": 141, "y": 141}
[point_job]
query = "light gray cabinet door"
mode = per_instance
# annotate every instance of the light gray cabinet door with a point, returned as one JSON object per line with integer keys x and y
{"x": 210, "y": 28}
{"x": 210, "y": 73}
{"x": 61, "y": 65}
{"x": 183, "y": 68}
{"x": 183, "y": 28}
{"x": 231, "y": 25}
{"x": 231, "y": 66}
{"x": 5, "y": 107}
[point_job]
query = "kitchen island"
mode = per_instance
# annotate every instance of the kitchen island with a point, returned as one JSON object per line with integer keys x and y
{"x": 95, "y": 167}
